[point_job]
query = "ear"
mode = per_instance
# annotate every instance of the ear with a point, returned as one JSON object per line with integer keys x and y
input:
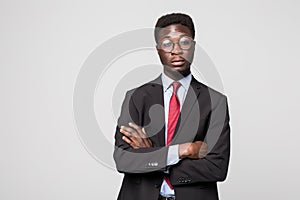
{"x": 157, "y": 48}
{"x": 194, "y": 47}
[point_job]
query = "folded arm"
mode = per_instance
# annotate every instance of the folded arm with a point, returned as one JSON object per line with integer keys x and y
{"x": 214, "y": 166}
{"x": 129, "y": 158}
{"x": 134, "y": 150}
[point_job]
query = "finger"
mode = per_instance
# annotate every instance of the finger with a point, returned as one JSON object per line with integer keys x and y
{"x": 144, "y": 132}
{"x": 148, "y": 143}
{"x": 126, "y": 128}
{"x": 142, "y": 140}
{"x": 130, "y": 130}
{"x": 139, "y": 135}
{"x": 128, "y": 141}
{"x": 133, "y": 125}
{"x": 124, "y": 132}
{"x": 132, "y": 144}
{"x": 202, "y": 153}
{"x": 137, "y": 128}
{"x": 147, "y": 140}
{"x": 201, "y": 145}
{"x": 203, "y": 150}
{"x": 204, "y": 147}
{"x": 132, "y": 135}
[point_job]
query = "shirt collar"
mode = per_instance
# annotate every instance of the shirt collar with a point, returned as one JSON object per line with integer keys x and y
{"x": 167, "y": 82}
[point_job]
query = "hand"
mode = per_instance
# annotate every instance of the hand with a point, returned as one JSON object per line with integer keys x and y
{"x": 195, "y": 150}
{"x": 135, "y": 136}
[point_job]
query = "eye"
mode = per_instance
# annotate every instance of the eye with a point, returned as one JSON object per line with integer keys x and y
{"x": 185, "y": 42}
{"x": 166, "y": 43}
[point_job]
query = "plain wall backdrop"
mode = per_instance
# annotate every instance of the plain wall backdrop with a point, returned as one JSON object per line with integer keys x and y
{"x": 254, "y": 45}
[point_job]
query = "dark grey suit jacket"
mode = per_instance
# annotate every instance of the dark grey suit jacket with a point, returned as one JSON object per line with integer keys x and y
{"x": 204, "y": 117}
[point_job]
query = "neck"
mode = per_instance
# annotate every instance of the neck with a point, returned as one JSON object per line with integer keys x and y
{"x": 175, "y": 75}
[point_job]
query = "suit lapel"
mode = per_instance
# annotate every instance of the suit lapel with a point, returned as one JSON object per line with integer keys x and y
{"x": 189, "y": 102}
{"x": 155, "y": 91}
{"x": 190, "y": 99}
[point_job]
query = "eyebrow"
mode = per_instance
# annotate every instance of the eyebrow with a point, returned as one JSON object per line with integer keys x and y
{"x": 167, "y": 36}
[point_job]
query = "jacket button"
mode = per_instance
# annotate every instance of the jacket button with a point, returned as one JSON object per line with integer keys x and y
{"x": 157, "y": 185}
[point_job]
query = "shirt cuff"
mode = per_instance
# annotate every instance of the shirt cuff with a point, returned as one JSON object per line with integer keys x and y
{"x": 173, "y": 157}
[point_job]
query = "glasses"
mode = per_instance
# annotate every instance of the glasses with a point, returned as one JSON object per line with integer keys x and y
{"x": 185, "y": 43}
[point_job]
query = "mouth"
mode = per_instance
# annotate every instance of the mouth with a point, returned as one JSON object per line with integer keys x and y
{"x": 178, "y": 62}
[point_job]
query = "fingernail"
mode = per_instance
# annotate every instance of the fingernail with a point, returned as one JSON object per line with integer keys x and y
{"x": 130, "y": 123}
{"x": 122, "y": 127}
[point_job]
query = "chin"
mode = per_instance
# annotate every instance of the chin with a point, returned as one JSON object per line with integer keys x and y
{"x": 177, "y": 72}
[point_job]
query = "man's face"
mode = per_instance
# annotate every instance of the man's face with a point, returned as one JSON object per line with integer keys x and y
{"x": 176, "y": 50}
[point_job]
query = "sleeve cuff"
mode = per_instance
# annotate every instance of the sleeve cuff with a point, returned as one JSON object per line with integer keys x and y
{"x": 173, "y": 157}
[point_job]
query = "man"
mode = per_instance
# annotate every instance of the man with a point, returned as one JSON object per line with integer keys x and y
{"x": 173, "y": 136}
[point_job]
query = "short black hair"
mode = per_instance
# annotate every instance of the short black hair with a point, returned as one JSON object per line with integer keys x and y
{"x": 174, "y": 18}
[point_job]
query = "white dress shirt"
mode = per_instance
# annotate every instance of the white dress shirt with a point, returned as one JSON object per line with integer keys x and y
{"x": 173, "y": 156}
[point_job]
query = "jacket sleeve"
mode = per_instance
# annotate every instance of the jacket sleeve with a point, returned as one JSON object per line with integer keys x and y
{"x": 129, "y": 160}
{"x": 214, "y": 166}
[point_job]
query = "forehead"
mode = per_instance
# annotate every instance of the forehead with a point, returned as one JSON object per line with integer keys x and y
{"x": 174, "y": 30}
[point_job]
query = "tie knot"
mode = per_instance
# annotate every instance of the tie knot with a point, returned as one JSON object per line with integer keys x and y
{"x": 175, "y": 85}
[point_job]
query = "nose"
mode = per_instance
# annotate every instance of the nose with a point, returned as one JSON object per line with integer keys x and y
{"x": 176, "y": 49}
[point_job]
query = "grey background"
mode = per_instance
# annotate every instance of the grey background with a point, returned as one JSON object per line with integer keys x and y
{"x": 254, "y": 45}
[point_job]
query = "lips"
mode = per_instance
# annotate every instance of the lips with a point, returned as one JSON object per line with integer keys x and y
{"x": 178, "y": 62}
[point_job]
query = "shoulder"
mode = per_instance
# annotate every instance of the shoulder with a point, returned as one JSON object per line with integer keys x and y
{"x": 148, "y": 88}
{"x": 214, "y": 95}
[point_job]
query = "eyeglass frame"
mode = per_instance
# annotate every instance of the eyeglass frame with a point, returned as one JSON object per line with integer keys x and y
{"x": 173, "y": 43}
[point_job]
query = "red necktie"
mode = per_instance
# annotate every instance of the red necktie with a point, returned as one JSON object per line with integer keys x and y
{"x": 174, "y": 110}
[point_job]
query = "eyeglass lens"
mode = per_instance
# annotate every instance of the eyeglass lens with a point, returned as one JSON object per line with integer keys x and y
{"x": 184, "y": 43}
